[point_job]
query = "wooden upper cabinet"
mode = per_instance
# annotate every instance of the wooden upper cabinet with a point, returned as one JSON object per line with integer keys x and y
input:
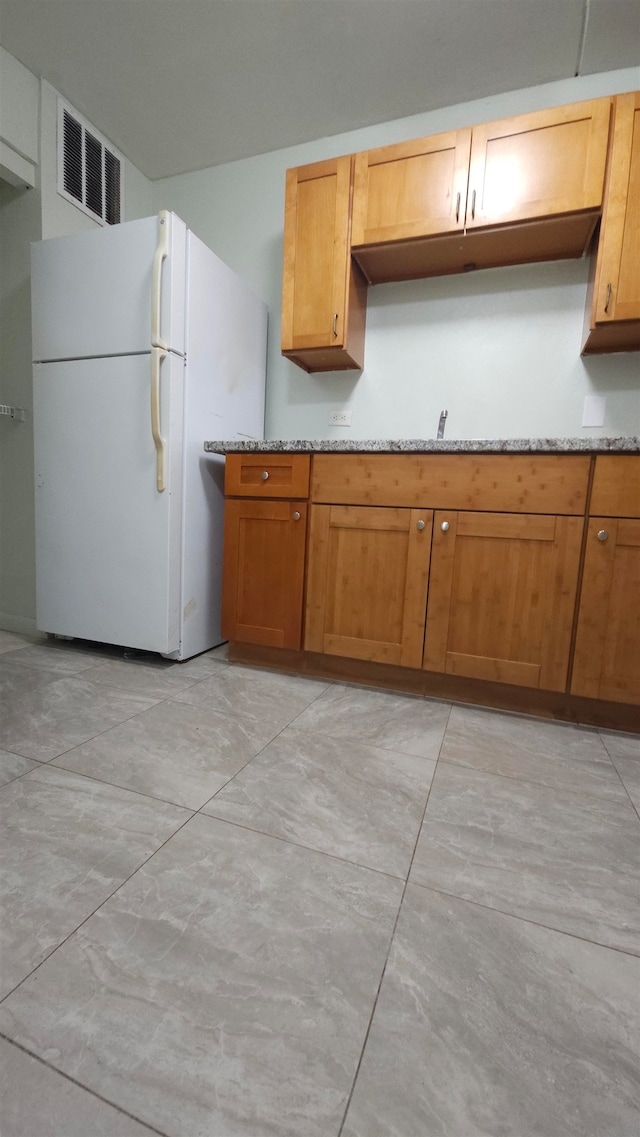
{"x": 521, "y": 189}
{"x": 539, "y": 165}
{"x": 323, "y": 295}
{"x": 412, "y": 189}
{"x": 614, "y": 314}
{"x": 502, "y": 596}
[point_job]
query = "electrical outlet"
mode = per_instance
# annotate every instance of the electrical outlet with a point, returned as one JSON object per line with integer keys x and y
{"x": 340, "y": 418}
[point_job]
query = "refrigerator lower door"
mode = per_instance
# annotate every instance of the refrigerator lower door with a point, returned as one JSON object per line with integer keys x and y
{"x": 107, "y": 541}
{"x": 95, "y": 293}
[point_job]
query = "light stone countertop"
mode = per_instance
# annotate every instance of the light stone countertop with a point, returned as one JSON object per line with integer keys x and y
{"x": 621, "y": 445}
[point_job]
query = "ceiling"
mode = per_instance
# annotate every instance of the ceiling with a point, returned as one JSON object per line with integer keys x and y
{"x": 178, "y": 85}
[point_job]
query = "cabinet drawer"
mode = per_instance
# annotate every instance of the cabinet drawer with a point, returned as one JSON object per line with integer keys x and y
{"x": 512, "y": 483}
{"x": 267, "y": 475}
{"x": 616, "y": 486}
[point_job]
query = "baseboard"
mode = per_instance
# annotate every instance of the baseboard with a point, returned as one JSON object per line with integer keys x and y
{"x": 24, "y": 625}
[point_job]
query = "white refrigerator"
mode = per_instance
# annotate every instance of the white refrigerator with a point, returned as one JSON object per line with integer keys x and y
{"x": 144, "y": 345}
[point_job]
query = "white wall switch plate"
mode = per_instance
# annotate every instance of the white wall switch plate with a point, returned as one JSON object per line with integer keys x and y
{"x": 594, "y": 410}
{"x": 340, "y": 418}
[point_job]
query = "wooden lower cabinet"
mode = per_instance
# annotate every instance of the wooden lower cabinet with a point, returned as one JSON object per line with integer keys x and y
{"x": 607, "y": 653}
{"x": 263, "y": 577}
{"x": 502, "y": 595}
{"x": 367, "y": 582}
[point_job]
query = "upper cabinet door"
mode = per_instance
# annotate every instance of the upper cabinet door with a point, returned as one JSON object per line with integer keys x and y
{"x": 412, "y": 189}
{"x": 324, "y": 296}
{"x": 535, "y": 165}
{"x": 618, "y": 290}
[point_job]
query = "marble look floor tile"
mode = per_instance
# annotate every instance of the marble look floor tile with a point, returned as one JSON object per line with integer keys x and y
{"x": 624, "y": 750}
{"x": 13, "y": 766}
{"x": 11, "y": 641}
{"x": 173, "y": 751}
{"x": 379, "y": 718}
{"x": 349, "y": 800}
{"x": 67, "y": 842}
{"x": 568, "y": 861}
{"x": 487, "y": 1025}
{"x": 554, "y": 754}
{"x": 269, "y": 696}
{"x": 224, "y": 990}
{"x": 16, "y": 681}
{"x": 35, "y": 1101}
{"x": 157, "y": 679}
{"x": 65, "y": 657}
{"x": 51, "y": 719}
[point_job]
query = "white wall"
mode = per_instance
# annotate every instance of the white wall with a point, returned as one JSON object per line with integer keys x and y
{"x": 498, "y": 348}
{"x": 26, "y": 216}
{"x": 59, "y": 216}
{"x": 19, "y": 95}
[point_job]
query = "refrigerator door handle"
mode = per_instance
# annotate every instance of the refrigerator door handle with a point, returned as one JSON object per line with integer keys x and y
{"x": 162, "y": 251}
{"x": 158, "y": 354}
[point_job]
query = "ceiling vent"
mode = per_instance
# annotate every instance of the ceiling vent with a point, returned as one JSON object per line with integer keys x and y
{"x": 89, "y": 168}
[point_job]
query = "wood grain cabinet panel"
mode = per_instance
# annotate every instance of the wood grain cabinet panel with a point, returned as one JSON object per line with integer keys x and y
{"x": 263, "y": 572}
{"x": 502, "y": 596}
{"x": 537, "y": 165}
{"x": 267, "y": 475}
{"x": 614, "y": 315}
{"x": 607, "y": 652}
{"x": 323, "y": 294}
{"x": 412, "y": 189}
{"x": 367, "y": 582}
{"x": 521, "y": 189}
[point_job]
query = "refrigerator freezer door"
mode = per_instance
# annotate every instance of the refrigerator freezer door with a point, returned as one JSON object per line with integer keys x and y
{"x": 224, "y": 398}
{"x": 92, "y": 292}
{"x": 107, "y": 542}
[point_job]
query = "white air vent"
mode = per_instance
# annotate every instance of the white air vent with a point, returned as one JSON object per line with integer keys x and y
{"x": 89, "y": 168}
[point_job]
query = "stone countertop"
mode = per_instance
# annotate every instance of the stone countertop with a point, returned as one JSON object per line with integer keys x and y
{"x": 620, "y": 445}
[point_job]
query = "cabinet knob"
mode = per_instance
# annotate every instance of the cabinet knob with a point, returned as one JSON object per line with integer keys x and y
{"x": 419, "y": 524}
{"x": 296, "y": 516}
{"x": 264, "y": 475}
{"x": 445, "y": 526}
{"x": 602, "y": 534}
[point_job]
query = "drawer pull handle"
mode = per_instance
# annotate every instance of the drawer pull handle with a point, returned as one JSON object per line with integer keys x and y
{"x": 473, "y": 206}
{"x": 264, "y": 475}
{"x": 602, "y": 535}
{"x": 335, "y": 326}
{"x": 458, "y": 207}
{"x": 420, "y": 525}
{"x": 296, "y": 516}
{"x": 608, "y": 300}
{"x": 445, "y": 526}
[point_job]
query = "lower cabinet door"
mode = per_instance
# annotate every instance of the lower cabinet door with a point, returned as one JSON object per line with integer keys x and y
{"x": 367, "y": 582}
{"x": 607, "y": 654}
{"x": 502, "y": 596}
{"x": 263, "y": 576}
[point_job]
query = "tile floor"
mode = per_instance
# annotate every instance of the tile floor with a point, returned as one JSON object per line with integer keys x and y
{"x": 242, "y": 904}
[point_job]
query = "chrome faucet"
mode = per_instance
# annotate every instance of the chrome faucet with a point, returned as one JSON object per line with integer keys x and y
{"x": 441, "y": 424}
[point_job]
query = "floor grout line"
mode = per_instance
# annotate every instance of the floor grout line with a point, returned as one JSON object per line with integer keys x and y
{"x": 87, "y": 1089}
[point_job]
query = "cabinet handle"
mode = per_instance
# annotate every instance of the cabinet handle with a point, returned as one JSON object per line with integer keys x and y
{"x": 602, "y": 535}
{"x": 473, "y": 205}
{"x": 608, "y": 300}
{"x": 335, "y": 325}
{"x": 264, "y": 475}
{"x": 420, "y": 525}
{"x": 445, "y": 526}
{"x": 458, "y": 207}
{"x": 296, "y": 516}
